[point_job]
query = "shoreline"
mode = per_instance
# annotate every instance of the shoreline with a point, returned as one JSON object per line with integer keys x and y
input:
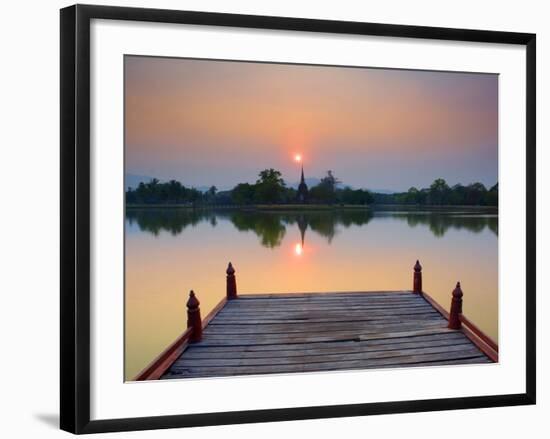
{"x": 283, "y": 207}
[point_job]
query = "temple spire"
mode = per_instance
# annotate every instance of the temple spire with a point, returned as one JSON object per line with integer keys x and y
{"x": 302, "y": 194}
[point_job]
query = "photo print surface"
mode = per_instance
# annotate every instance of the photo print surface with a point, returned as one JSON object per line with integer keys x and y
{"x": 322, "y": 186}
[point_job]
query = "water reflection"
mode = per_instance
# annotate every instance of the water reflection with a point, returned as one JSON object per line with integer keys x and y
{"x": 271, "y": 226}
{"x": 170, "y": 251}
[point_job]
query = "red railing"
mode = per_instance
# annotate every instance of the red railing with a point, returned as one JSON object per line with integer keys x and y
{"x": 457, "y": 320}
{"x": 196, "y": 325}
{"x": 193, "y": 333}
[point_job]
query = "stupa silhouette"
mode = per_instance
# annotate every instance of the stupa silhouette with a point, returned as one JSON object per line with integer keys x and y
{"x": 302, "y": 195}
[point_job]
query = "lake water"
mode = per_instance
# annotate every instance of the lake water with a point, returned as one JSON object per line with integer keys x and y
{"x": 171, "y": 251}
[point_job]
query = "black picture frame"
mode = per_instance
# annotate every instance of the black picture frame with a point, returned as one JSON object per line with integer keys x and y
{"x": 75, "y": 216}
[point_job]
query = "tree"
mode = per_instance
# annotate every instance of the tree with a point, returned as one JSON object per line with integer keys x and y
{"x": 475, "y": 194}
{"x": 211, "y": 193}
{"x": 439, "y": 191}
{"x": 325, "y": 191}
{"x": 491, "y": 197}
{"x": 270, "y": 187}
{"x": 457, "y": 195}
{"x": 412, "y": 195}
{"x": 350, "y": 196}
{"x": 243, "y": 193}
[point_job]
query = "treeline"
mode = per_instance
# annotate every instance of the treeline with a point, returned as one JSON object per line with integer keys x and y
{"x": 172, "y": 192}
{"x": 270, "y": 188}
{"x": 440, "y": 193}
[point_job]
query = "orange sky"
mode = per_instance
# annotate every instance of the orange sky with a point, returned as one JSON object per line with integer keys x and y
{"x": 214, "y": 122}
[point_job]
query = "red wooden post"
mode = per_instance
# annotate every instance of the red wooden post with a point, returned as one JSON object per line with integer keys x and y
{"x": 456, "y": 308}
{"x": 231, "y": 283}
{"x": 194, "y": 318}
{"x": 417, "y": 279}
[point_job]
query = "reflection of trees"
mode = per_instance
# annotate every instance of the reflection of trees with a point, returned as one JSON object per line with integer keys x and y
{"x": 493, "y": 225}
{"x": 270, "y": 226}
{"x": 326, "y": 222}
{"x": 170, "y": 220}
{"x": 439, "y": 223}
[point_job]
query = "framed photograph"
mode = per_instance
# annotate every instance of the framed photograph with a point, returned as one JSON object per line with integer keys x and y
{"x": 273, "y": 218}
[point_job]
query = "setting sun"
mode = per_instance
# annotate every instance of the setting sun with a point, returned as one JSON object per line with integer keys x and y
{"x": 298, "y": 249}
{"x": 298, "y": 158}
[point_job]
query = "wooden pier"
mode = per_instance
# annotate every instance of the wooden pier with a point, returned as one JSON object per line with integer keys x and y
{"x": 286, "y": 333}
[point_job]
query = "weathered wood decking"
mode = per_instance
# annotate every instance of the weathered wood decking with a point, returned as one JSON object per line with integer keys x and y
{"x": 285, "y": 333}
{"x": 259, "y": 334}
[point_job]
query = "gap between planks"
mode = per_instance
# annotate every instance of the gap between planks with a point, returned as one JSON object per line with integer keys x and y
{"x": 468, "y": 353}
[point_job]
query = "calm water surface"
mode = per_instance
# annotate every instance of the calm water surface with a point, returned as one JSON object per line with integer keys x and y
{"x": 170, "y": 251}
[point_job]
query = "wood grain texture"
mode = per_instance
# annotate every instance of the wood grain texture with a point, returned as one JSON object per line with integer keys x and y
{"x": 267, "y": 333}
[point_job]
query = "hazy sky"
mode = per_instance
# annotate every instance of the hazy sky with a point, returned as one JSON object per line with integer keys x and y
{"x": 215, "y": 122}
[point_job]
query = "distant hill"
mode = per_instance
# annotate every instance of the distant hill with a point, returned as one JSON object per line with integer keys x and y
{"x": 133, "y": 180}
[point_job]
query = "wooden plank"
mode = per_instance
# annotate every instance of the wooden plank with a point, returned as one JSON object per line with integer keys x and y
{"x": 332, "y": 299}
{"x": 241, "y": 341}
{"x": 329, "y": 297}
{"x": 435, "y": 363}
{"x": 313, "y": 308}
{"x": 458, "y": 362}
{"x": 305, "y": 314}
{"x": 340, "y": 344}
{"x": 331, "y": 308}
{"x": 324, "y": 312}
{"x": 321, "y": 314}
{"x": 468, "y": 352}
{"x": 338, "y": 321}
{"x": 325, "y": 299}
{"x": 269, "y": 321}
{"x": 278, "y": 328}
{"x": 315, "y": 319}
{"x": 324, "y": 357}
{"x": 284, "y": 331}
{"x": 294, "y": 302}
{"x": 373, "y": 342}
{"x": 317, "y": 349}
{"x": 262, "y": 296}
